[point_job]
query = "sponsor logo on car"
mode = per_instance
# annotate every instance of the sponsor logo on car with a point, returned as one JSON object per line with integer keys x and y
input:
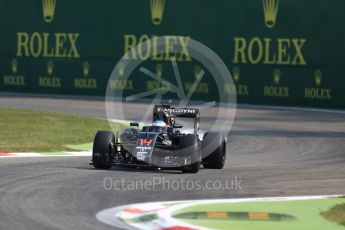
{"x": 141, "y": 155}
{"x": 192, "y": 111}
{"x": 143, "y": 148}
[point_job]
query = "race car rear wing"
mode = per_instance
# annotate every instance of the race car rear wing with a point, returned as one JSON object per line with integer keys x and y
{"x": 177, "y": 112}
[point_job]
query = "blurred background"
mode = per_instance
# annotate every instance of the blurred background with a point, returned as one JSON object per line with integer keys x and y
{"x": 279, "y": 52}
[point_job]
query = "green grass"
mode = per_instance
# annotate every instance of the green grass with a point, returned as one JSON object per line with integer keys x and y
{"x": 336, "y": 214}
{"x": 32, "y": 131}
{"x": 307, "y": 215}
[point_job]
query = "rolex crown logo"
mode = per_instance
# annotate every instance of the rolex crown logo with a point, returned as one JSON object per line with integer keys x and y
{"x": 270, "y": 11}
{"x": 197, "y": 70}
{"x": 157, "y": 11}
{"x": 159, "y": 70}
{"x": 86, "y": 69}
{"x": 50, "y": 68}
{"x": 276, "y": 76}
{"x": 236, "y": 74}
{"x": 318, "y": 77}
{"x": 121, "y": 70}
{"x": 48, "y": 7}
{"x": 14, "y": 66}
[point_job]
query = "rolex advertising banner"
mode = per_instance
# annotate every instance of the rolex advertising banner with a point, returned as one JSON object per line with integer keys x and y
{"x": 279, "y": 52}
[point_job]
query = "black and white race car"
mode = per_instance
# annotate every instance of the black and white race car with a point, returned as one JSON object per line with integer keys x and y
{"x": 164, "y": 144}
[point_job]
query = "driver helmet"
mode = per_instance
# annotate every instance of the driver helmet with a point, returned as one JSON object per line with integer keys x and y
{"x": 164, "y": 116}
{"x": 159, "y": 123}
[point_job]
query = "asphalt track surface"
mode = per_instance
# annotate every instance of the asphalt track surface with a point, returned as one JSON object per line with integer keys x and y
{"x": 272, "y": 152}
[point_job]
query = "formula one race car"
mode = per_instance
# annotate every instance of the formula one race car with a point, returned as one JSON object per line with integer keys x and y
{"x": 164, "y": 144}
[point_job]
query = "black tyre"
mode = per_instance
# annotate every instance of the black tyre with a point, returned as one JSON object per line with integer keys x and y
{"x": 103, "y": 150}
{"x": 214, "y": 142}
{"x": 193, "y": 168}
{"x": 191, "y": 149}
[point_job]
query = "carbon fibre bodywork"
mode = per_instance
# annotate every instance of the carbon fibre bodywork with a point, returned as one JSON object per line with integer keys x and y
{"x": 161, "y": 149}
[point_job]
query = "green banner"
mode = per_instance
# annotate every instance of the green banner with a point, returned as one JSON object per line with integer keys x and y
{"x": 280, "y": 52}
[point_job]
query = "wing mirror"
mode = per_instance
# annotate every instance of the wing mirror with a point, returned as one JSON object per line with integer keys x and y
{"x": 134, "y": 124}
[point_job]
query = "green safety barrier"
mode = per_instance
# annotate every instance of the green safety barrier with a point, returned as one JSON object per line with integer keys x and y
{"x": 280, "y": 52}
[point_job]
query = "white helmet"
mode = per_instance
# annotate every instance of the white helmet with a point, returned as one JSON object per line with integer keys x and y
{"x": 159, "y": 123}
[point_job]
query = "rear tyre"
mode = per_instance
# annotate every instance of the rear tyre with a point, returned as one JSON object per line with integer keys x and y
{"x": 215, "y": 160}
{"x": 103, "y": 150}
{"x": 191, "y": 150}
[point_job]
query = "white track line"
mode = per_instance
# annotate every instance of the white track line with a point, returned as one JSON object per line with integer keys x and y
{"x": 63, "y": 154}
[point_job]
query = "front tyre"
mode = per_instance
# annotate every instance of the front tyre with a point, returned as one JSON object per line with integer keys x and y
{"x": 193, "y": 168}
{"x": 103, "y": 150}
{"x": 215, "y": 160}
